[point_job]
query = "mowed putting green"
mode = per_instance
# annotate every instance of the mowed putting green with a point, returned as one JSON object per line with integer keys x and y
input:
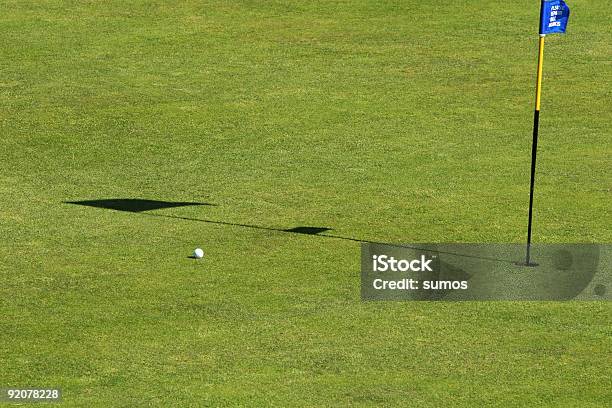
{"x": 369, "y": 120}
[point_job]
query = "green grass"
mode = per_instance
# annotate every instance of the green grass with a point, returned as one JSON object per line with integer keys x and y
{"x": 388, "y": 121}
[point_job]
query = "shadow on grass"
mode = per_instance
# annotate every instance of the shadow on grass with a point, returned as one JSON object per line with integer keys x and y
{"x": 133, "y": 204}
{"x": 297, "y": 230}
{"x": 140, "y": 206}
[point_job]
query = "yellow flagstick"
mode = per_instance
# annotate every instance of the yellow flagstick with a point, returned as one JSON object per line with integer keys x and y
{"x": 539, "y": 77}
{"x": 534, "y": 146}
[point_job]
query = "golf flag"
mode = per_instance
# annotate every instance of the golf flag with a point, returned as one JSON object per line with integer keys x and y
{"x": 553, "y": 17}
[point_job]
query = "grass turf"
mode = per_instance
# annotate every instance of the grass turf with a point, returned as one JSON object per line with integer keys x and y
{"x": 396, "y": 122}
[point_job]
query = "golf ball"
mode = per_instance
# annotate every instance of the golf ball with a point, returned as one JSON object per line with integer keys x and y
{"x": 198, "y": 253}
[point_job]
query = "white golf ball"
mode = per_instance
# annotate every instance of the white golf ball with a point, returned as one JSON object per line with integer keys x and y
{"x": 198, "y": 253}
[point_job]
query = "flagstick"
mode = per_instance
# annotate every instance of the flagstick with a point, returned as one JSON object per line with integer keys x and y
{"x": 534, "y": 146}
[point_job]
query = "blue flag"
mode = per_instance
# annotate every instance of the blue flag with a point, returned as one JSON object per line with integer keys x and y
{"x": 553, "y": 16}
